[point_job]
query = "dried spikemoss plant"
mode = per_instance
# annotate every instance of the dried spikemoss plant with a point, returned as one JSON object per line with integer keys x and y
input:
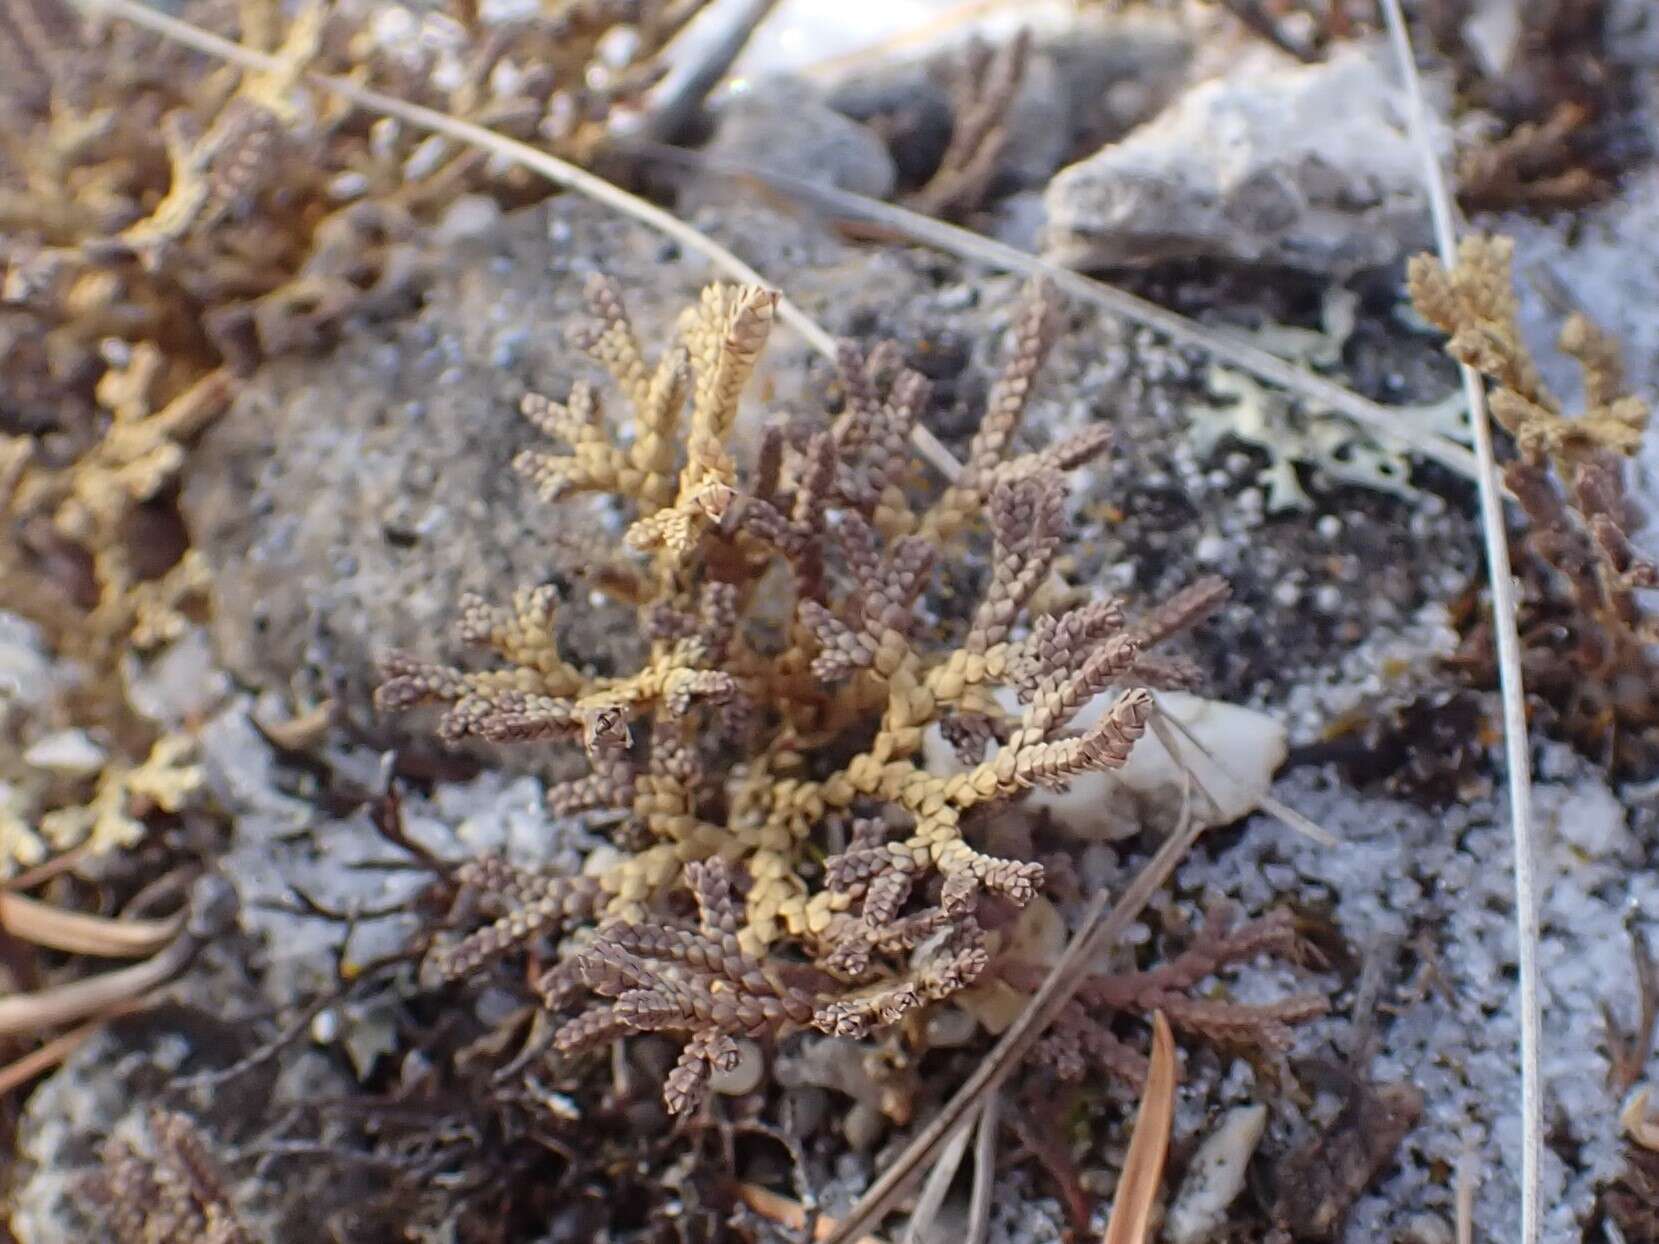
{"x": 1083, "y": 1038}
{"x": 170, "y": 1193}
{"x": 219, "y": 212}
{"x": 42, "y": 814}
{"x": 983, "y": 86}
{"x": 1589, "y": 646}
{"x": 167, "y": 221}
{"x": 92, "y": 528}
{"x": 1559, "y": 110}
{"x": 767, "y": 756}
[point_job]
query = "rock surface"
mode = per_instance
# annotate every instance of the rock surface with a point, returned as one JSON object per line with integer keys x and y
{"x": 785, "y": 127}
{"x": 1091, "y": 83}
{"x": 383, "y": 474}
{"x": 1304, "y": 166}
{"x": 106, "y": 1088}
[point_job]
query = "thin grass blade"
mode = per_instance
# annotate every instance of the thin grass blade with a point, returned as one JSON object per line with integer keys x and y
{"x": 1143, "y": 1168}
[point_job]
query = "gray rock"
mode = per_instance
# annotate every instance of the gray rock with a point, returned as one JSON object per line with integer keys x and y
{"x": 1306, "y": 166}
{"x": 179, "y": 685}
{"x": 1084, "y": 85}
{"x": 908, "y": 105}
{"x": 1019, "y": 220}
{"x": 784, "y": 126}
{"x": 1118, "y": 72}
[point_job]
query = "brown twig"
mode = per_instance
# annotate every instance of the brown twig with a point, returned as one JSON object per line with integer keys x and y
{"x": 1627, "y": 1055}
{"x": 39, "y": 1061}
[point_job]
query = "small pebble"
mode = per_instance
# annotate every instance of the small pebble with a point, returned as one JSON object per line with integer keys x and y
{"x": 744, "y": 1076}
{"x": 949, "y": 1027}
{"x": 325, "y": 1027}
{"x": 1210, "y": 549}
{"x": 69, "y": 752}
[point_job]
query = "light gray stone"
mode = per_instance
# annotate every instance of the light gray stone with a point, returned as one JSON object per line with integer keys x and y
{"x": 785, "y": 127}
{"x": 1091, "y": 82}
{"x": 1305, "y": 166}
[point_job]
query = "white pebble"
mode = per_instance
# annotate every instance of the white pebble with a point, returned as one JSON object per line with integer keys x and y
{"x": 68, "y": 752}
{"x": 744, "y": 1076}
{"x": 1215, "y": 1177}
{"x": 949, "y": 1027}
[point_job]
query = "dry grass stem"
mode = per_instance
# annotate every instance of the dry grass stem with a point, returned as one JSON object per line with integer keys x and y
{"x": 77, "y": 933}
{"x": 1228, "y": 347}
{"x": 26, "y": 1014}
{"x": 1518, "y": 752}
{"x": 1143, "y": 1167}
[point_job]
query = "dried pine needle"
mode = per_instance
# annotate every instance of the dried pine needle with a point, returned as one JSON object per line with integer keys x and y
{"x": 790, "y": 1214}
{"x": 938, "y": 1184}
{"x": 27, "y": 1014}
{"x": 39, "y": 1061}
{"x": 1143, "y": 1167}
{"x": 985, "y": 1169}
{"x": 1637, "y": 1123}
{"x": 78, "y": 933}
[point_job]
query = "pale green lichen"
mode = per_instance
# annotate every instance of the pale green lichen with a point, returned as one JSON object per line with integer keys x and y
{"x": 1294, "y": 434}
